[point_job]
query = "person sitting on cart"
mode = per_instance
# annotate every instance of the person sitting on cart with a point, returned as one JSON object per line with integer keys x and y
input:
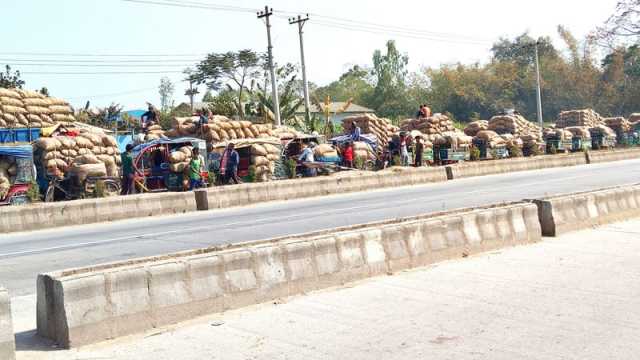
{"x": 229, "y": 165}
{"x": 151, "y": 117}
{"x": 195, "y": 167}
{"x": 307, "y": 157}
{"x": 347, "y": 155}
{"x": 128, "y": 185}
{"x": 356, "y": 132}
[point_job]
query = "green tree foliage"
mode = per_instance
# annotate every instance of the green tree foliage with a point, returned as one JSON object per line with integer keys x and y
{"x": 10, "y": 79}
{"x": 356, "y": 84}
{"x": 390, "y": 74}
{"x": 290, "y": 100}
{"x": 223, "y": 103}
{"x": 237, "y": 71}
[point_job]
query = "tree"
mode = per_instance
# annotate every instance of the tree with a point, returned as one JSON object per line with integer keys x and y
{"x": 390, "y": 73}
{"x": 11, "y": 79}
{"x": 355, "y": 84}
{"x": 236, "y": 71}
{"x": 166, "y": 90}
{"x": 622, "y": 26}
{"x": 290, "y": 100}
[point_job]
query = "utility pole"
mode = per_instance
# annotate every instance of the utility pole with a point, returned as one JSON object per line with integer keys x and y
{"x": 307, "y": 105}
{"x": 191, "y": 94}
{"x": 266, "y": 14}
{"x": 538, "y": 87}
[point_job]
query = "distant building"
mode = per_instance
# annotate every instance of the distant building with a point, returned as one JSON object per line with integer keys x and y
{"x": 197, "y": 105}
{"x": 353, "y": 109}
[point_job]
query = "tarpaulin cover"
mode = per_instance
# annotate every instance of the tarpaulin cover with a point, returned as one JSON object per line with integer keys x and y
{"x": 18, "y": 151}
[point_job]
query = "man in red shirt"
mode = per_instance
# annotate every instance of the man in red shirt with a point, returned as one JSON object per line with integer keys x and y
{"x": 347, "y": 155}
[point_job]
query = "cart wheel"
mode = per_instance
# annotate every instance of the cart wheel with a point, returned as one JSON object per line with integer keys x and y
{"x": 111, "y": 188}
{"x": 19, "y": 198}
{"x": 50, "y": 194}
{"x": 370, "y": 165}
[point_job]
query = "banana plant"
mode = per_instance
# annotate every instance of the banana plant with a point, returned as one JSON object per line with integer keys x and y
{"x": 325, "y": 109}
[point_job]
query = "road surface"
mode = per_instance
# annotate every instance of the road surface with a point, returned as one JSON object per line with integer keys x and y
{"x": 24, "y": 255}
{"x": 573, "y": 297}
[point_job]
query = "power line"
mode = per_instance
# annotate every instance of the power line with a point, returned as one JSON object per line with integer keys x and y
{"x": 99, "y": 73}
{"x": 335, "y": 22}
{"x": 101, "y": 65}
{"x": 97, "y": 61}
{"x": 96, "y": 55}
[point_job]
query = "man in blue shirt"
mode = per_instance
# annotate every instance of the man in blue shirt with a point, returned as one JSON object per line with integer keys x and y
{"x": 229, "y": 165}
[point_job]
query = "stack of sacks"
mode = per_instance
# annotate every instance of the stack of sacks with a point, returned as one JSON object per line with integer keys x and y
{"x": 63, "y": 153}
{"x": 512, "y": 141}
{"x": 363, "y": 151}
{"x": 557, "y": 134}
{"x": 325, "y": 152}
{"x": 8, "y": 172}
{"x": 618, "y": 124}
{"x": 428, "y": 143}
{"x": 519, "y": 127}
{"x": 155, "y": 132}
{"x": 23, "y": 109}
{"x": 602, "y": 131}
{"x": 587, "y": 117}
{"x": 581, "y": 132}
{"x": 285, "y": 133}
{"x": 436, "y": 124}
{"x": 473, "y": 128}
{"x": 453, "y": 140}
{"x": 263, "y": 159}
{"x": 180, "y": 159}
{"x": 381, "y": 128}
{"x": 491, "y": 138}
{"x": 218, "y": 129}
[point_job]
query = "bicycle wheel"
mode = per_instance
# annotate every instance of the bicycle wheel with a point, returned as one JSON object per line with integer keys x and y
{"x": 112, "y": 188}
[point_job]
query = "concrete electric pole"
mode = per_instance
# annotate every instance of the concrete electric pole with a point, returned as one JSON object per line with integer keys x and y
{"x": 538, "y": 87}
{"x": 266, "y": 14}
{"x": 307, "y": 104}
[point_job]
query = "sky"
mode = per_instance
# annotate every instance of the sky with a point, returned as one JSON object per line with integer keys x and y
{"x": 108, "y": 51}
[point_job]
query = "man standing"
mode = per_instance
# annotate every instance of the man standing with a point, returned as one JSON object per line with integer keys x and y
{"x": 307, "y": 157}
{"x": 195, "y": 166}
{"x": 404, "y": 150}
{"x": 229, "y": 165}
{"x": 128, "y": 186}
{"x": 419, "y": 151}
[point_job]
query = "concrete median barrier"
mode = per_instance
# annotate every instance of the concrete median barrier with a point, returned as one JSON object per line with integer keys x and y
{"x": 50, "y": 215}
{"x": 566, "y": 213}
{"x": 602, "y": 156}
{"x": 7, "y": 338}
{"x": 481, "y": 168}
{"x": 83, "y": 306}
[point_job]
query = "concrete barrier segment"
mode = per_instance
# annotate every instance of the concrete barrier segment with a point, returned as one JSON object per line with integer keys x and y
{"x": 7, "y": 337}
{"x": 82, "y": 306}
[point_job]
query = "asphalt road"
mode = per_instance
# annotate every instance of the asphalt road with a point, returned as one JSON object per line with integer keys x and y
{"x": 24, "y": 255}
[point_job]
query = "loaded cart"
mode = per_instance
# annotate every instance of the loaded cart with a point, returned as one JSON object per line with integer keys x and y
{"x": 162, "y": 165}
{"x": 17, "y": 174}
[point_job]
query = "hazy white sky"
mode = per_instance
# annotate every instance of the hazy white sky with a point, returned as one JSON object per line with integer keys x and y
{"x": 465, "y": 31}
